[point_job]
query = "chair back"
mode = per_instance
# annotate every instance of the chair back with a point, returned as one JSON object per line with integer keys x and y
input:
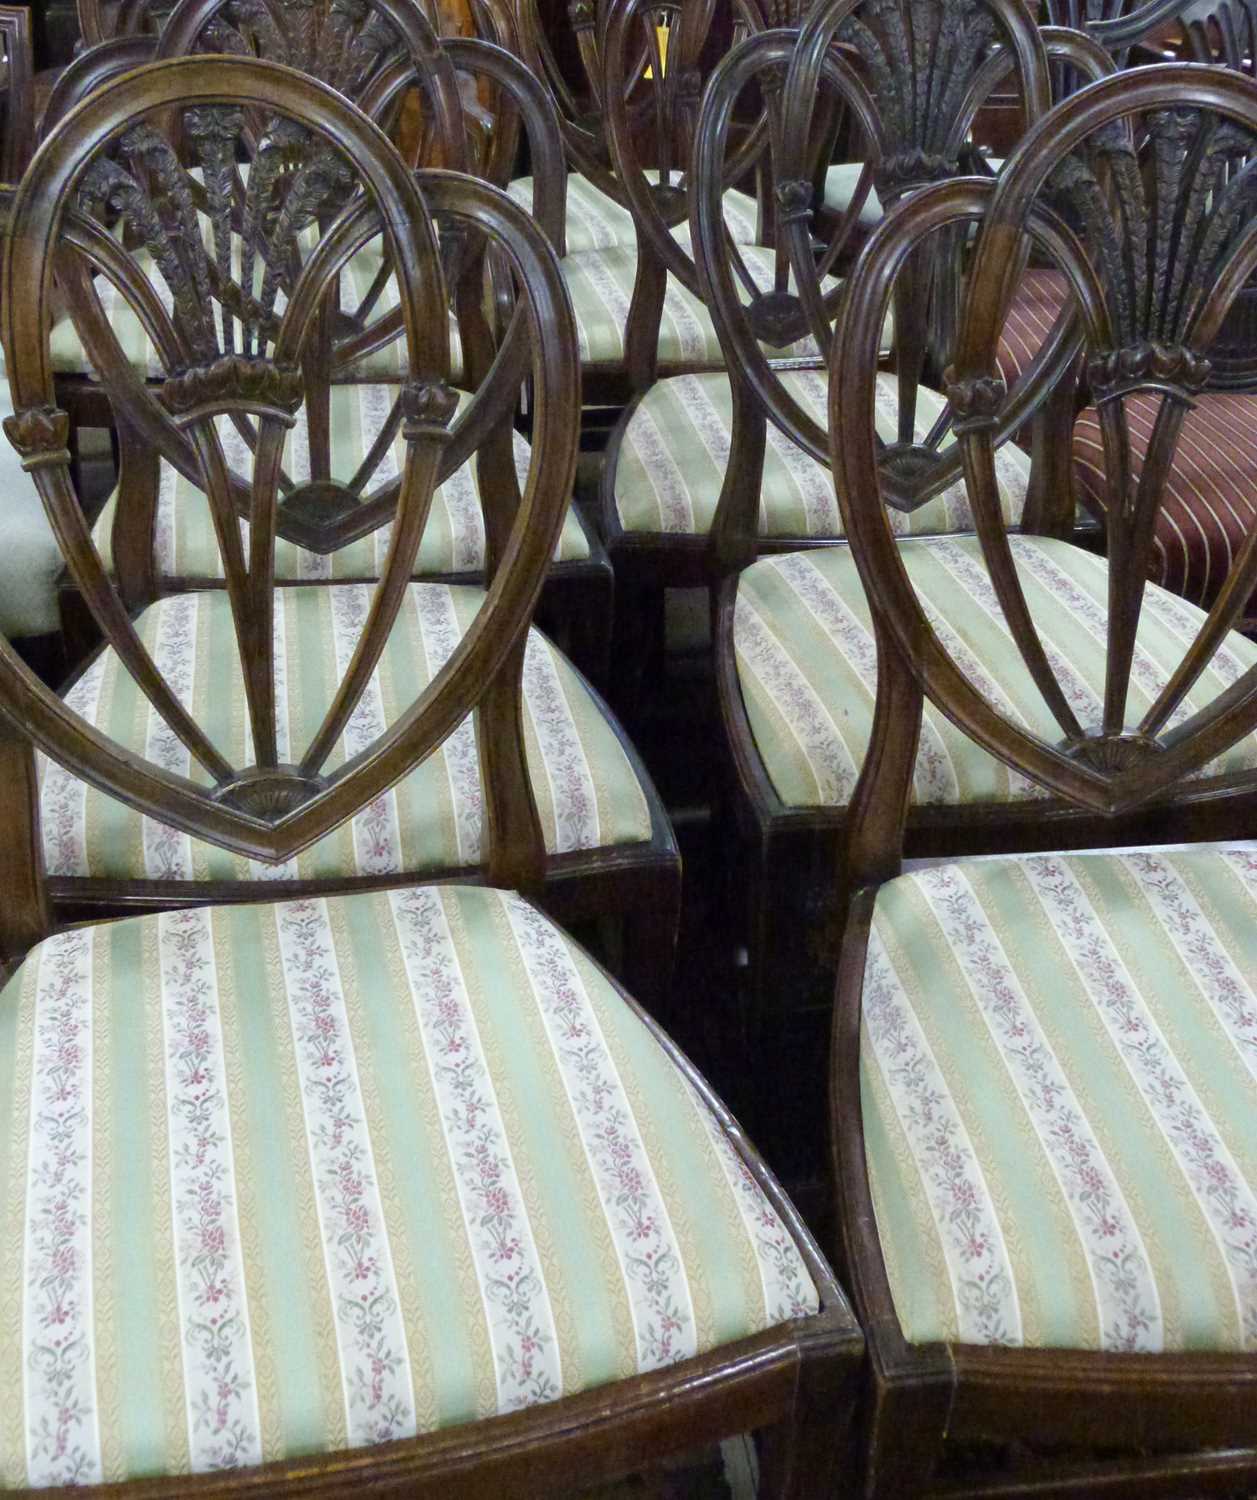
{"x": 17, "y": 90}
{"x": 102, "y": 20}
{"x": 1132, "y": 191}
{"x": 142, "y": 183}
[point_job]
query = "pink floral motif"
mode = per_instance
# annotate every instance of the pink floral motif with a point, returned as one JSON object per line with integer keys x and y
{"x": 374, "y": 1360}
{"x": 1125, "y": 1287}
{"x": 520, "y": 1319}
{"x": 635, "y": 1208}
{"x": 1226, "y": 1199}
{"x": 63, "y": 1441}
{"x": 575, "y": 799}
{"x": 217, "y": 1350}
{"x": 167, "y": 851}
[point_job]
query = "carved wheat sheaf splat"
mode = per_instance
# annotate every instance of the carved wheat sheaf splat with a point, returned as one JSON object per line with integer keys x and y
{"x": 345, "y": 43}
{"x": 1160, "y": 217}
{"x": 920, "y": 57}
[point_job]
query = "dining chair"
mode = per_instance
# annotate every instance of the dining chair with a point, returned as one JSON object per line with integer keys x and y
{"x": 397, "y": 1189}
{"x": 17, "y": 90}
{"x": 1044, "y": 1085}
{"x": 187, "y": 239}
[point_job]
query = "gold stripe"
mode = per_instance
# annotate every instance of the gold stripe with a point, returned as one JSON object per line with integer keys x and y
{"x": 165, "y": 1280}
{"x": 335, "y": 1423}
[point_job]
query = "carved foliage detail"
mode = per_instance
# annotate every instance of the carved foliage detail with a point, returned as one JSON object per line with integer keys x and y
{"x": 234, "y": 378}
{"x": 1159, "y": 223}
{"x": 426, "y": 408}
{"x": 920, "y": 57}
{"x": 40, "y": 434}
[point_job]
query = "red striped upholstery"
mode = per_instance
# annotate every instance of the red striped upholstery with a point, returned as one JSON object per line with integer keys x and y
{"x": 1210, "y": 501}
{"x": 1035, "y": 307}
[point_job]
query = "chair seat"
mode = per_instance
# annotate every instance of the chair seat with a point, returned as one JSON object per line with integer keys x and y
{"x": 674, "y": 456}
{"x": 807, "y": 663}
{"x": 597, "y": 222}
{"x": 68, "y": 356}
{"x": 30, "y": 561}
{"x": 1209, "y": 502}
{"x": 453, "y": 540}
{"x": 588, "y": 793}
{"x": 1035, "y": 307}
{"x": 841, "y": 181}
{"x": 1059, "y": 1088}
{"x": 601, "y": 287}
{"x": 292, "y": 1179}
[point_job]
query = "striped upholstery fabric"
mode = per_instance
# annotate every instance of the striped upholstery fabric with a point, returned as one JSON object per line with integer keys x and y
{"x": 453, "y": 540}
{"x": 69, "y": 358}
{"x": 675, "y": 453}
{"x": 1209, "y": 501}
{"x": 601, "y": 286}
{"x": 841, "y": 181}
{"x": 588, "y": 795}
{"x": 807, "y": 663}
{"x": 291, "y": 1179}
{"x": 597, "y": 222}
{"x": 1059, "y": 1088}
{"x": 1035, "y": 308}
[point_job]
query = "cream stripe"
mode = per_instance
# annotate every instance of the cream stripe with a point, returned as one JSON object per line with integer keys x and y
{"x": 1226, "y": 1201}
{"x": 440, "y": 634}
{"x": 217, "y": 1345}
{"x": 983, "y": 1287}
{"x": 260, "y": 869}
{"x": 58, "y": 1337}
{"x": 370, "y": 1331}
{"x": 516, "y": 1303}
{"x": 376, "y": 834}
{"x": 63, "y": 796}
{"x": 23, "y": 993}
{"x": 573, "y": 792}
{"x": 1122, "y": 1279}
{"x": 650, "y": 1257}
{"x": 167, "y": 851}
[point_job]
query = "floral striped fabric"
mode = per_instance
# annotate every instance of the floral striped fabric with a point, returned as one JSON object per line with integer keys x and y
{"x": 674, "y": 456}
{"x": 1059, "y": 1087}
{"x": 1209, "y": 501}
{"x": 807, "y": 663}
{"x": 291, "y": 1179}
{"x": 601, "y": 287}
{"x": 597, "y": 222}
{"x": 453, "y": 540}
{"x": 68, "y": 356}
{"x": 588, "y": 795}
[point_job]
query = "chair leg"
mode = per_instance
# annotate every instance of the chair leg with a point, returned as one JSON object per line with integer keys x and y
{"x": 648, "y": 953}
{"x": 814, "y": 1453}
{"x": 903, "y": 1438}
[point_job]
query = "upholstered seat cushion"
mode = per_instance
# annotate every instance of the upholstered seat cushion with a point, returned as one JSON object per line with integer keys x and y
{"x": 841, "y": 181}
{"x": 453, "y": 540}
{"x": 588, "y": 794}
{"x": 601, "y": 286}
{"x": 1035, "y": 307}
{"x": 68, "y": 356}
{"x": 30, "y": 561}
{"x": 1059, "y": 1088}
{"x": 290, "y": 1179}
{"x": 807, "y": 663}
{"x": 674, "y": 456}
{"x": 597, "y": 222}
{"x": 1209, "y": 501}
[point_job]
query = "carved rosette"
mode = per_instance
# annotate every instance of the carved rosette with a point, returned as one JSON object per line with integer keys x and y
{"x": 1114, "y": 753}
{"x": 234, "y": 379}
{"x": 1172, "y": 368}
{"x": 41, "y": 436}
{"x": 794, "y": 200}
{"x": 975, "y": 401}
{"x": 426, "y": 407}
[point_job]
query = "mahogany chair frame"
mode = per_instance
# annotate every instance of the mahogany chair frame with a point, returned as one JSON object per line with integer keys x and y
{"x": 1146, "y": 1424}
{"x": 639, "y": 884}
